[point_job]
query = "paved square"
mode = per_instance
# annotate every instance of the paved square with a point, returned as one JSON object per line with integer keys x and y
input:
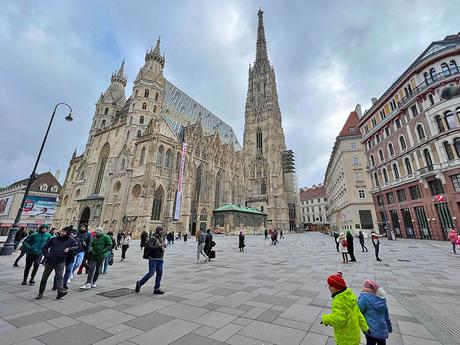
{"x": 265, "y": 295}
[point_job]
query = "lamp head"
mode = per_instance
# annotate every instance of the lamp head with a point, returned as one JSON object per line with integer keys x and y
{"x": 69, "y": 117}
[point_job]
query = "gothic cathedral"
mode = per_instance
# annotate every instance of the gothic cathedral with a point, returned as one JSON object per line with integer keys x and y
{"x": 158, "y": 157}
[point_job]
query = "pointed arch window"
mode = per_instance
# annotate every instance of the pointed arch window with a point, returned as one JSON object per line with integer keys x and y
{"x": 168, "y": 159}
{"x": 395, "y": 171}
{"x": 402, "y": 142}
{"x": 439, "y": 123}
{"x": 448, "y": 149}
{"x": 106, "y": 111}
{"x": 103, "y": 123}
{"x": 457, "y": 146}
{"x": 450, "y": 120}
{"x": 385, "y": 175}
{"x": 381, "y": 155}
{"x": 218, "y": 190}
{"x": 156, "y": 96}
{"x": 135, "y": 93}
{"x": 144, "y": 106}
{"x": 408, "y": 166}
{"x": 445, "y": 69}
{"x": 141, "y": 120}
{"x": 198, "y": 182}
{"x": 259, "y": 140}
{"x": 373, "y": 160}
{"x": 142, "y": 157}
{"x": 420, "y": 132}
{"x": 134, "y": 105}
{"x": 146, "y": 93}
{"x": 429, "y": 162}
{"x": 103, "y": 156}
{"x": 139, "y": 134}
{"x": 127, "y": 135}
{"x": 376, "y": 179}
{"x": 157, "y": 204}
{"x": 391, "y": 150}
{"x": 154, "y": 108}
{"x": 263, "y": 188}
{"x": 160, "y": 156}
{"x": 122, "y": 166}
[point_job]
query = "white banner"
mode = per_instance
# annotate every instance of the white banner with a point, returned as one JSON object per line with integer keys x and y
{"x": 177, "y": 207}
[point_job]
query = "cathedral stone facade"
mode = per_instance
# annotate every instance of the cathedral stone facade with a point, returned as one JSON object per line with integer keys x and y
{"x": 158, "y": 157}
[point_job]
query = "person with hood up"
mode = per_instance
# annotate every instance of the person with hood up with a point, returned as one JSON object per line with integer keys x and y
{"x": 33, "y": 246}
{"x": 374, "y": 308}
{"x": 453, "y": 239}
{"x": 101, "y": 244}
{"x": 241, "y": 244}
{"x": 342, "y": 240}
{"x": 350, "y": 248}
{"x": 56, "y": 251}
{"x": 362, "y": 241}
{"x": 346, "y": 318}
{"x": 154, "y": 252}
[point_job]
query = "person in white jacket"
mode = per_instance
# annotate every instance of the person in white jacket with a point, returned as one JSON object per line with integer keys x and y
{"x": 125, "y": 241}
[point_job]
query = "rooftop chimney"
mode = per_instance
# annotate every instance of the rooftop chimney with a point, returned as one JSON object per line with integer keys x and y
{"x": 57, "y": 174}
{"x": 374, "y": 100}
{"x": 359, "y": 111}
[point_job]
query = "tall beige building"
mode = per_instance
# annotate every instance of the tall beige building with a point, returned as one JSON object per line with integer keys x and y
{"x": 158, "y": 157}
{"x": 349, "y": 203}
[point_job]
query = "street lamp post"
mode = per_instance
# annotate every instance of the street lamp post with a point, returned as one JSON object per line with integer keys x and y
{"x": 8, "y": 247}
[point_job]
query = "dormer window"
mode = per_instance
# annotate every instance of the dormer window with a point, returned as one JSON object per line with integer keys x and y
{"x": 44, "y": 187}
{"x": 54, "y": 189}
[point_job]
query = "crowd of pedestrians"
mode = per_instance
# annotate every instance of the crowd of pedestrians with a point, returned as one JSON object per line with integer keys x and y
{"x": 344, "y": 244}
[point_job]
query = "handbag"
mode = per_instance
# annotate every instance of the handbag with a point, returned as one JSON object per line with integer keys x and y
{"x": 111, "y": 259}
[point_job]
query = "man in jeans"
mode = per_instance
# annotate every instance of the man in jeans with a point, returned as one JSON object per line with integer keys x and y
{"x": 101, "y": 244}
{"x": 33, "y": 246}
{"x": 56, "y": 251}
{"x": 85, "y": 238}
{"x": 154, "y": 252}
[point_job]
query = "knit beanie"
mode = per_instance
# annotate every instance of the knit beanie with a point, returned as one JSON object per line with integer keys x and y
{"x": 370, "y": 284}
{"x": 336, "y": 281}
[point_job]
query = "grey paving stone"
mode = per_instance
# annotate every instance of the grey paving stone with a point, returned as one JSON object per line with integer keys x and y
{"x": 238, "y": 339}
{"x": 303, "y": 313}
{"x": 269, "y": 316}
{"x": 273, "y": 333}
{"x": 149, "y": 321}
{"x": 34, "y": 318}
{"x": 414, "y": 329}
{"x": 185, "y": 312}
{"x": 226, "y": 332}
{"x": 30, "y": 342}
{"x": 410, "y": 340}
{"x": 274, "y": 300}
{"x": 205, "y": 331}
{"x": 215, "y": 319}
{"x": 62, "y": 322}
{"x": 24, "y": 333}
{"x": 314, "y": 339}
{"x": 195, "y": 339}
{"x": 80, "y": 334}
{"x": 166, "y": 333}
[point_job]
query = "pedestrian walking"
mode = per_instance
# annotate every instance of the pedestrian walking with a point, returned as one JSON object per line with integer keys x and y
{"x": 185, "y": 237}
{"x": 84, "y": 238}
{"x": 350, "y": 247}
{"x": 281, "y": 234}
{"x": 342, "y": 241}
{"x": 453, "y": 237}
{"x": 241, "y": 244}
{"x": 34, "y": 245}
{"x": 376, "y": 242}
{"x": 69, "y": 261}
{"x": 374, "y": 308}
{"x": 274, "y": 237}
{"x": 208, "y": 244}
{"x": 200, "y": 239}
{"x": 100, "y": 245}
{"x": 337, "y": 243}
{"x": 144, "y": 238}
{"x": 108, "y": 258}
{"x": 20, "y": 235}
{"x": 362, "y": 241}
{"x": 56, "y": 252}
{"x": 154, "y": 252}
{"x": 345, "y": 316}
{"x": 266, "y": 234}
{"x": 125, "y": 242}
{"x": 23, "y": 251}
{"x": 119, "y": 237}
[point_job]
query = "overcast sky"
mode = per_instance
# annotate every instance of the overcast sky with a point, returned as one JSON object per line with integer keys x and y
{"x": 328, "y": 56}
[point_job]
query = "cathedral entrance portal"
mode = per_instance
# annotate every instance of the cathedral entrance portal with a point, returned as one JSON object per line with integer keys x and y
{"x": 84, "y": 218}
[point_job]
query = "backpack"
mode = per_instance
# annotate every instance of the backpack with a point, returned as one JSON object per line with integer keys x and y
{"x": 344, "y": 243}
{"x": 152, "y": 244}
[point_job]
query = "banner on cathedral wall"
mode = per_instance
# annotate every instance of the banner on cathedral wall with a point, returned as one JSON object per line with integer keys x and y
{"x": 177, "y": 206}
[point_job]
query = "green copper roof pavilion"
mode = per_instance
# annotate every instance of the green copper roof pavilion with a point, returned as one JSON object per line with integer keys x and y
{"x": 238, "y": 208}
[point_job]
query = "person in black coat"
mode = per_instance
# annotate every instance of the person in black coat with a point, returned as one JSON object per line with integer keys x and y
{"x": 361, "y": 241}
{"x": 241, "y": 244}
{"x": 350, "y": 246}
{"x": 208, "y": 244}
{"x": 336, "y": 236}
{"x": 144, "y": 238}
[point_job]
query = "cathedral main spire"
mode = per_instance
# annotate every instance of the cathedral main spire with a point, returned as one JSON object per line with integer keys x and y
{"x": 155, "y": 54}
{"x": 261, "y": 51}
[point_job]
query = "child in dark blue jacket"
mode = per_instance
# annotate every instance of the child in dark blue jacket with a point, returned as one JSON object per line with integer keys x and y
{"x": 374, "y": 308}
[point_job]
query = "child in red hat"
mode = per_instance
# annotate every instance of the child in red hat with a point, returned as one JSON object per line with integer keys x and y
{"x": 346, "y": 318}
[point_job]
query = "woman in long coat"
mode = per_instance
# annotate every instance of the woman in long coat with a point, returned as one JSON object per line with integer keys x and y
{"x": 241, "y": 244}
{"x": 350, "y": 247}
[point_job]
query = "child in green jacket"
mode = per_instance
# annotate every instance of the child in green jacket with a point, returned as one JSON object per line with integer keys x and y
{"x": 346, "y": 318}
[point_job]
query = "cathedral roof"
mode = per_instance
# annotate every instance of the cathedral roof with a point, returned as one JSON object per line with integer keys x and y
{"x": 181, "y": 110}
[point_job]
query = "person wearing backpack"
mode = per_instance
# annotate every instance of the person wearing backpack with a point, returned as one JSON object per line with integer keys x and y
{"x": 343, "y": 247}
{"x": 154, "y": 252}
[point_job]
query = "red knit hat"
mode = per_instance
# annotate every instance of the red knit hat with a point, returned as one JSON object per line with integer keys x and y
{"x": 336, "y": 281}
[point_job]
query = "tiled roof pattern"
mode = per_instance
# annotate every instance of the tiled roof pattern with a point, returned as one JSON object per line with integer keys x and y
{"x": 350, "y": 128}
{"x": 313, "y": 192}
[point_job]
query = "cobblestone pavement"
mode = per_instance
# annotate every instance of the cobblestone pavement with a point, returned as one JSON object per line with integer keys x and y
{"x": 266, "y": 295}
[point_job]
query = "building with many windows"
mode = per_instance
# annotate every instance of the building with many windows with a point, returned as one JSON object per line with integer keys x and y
{"x": 313, "y": 204}
{"x": 412, "y": 141}
{"x": 349, "y": 204}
